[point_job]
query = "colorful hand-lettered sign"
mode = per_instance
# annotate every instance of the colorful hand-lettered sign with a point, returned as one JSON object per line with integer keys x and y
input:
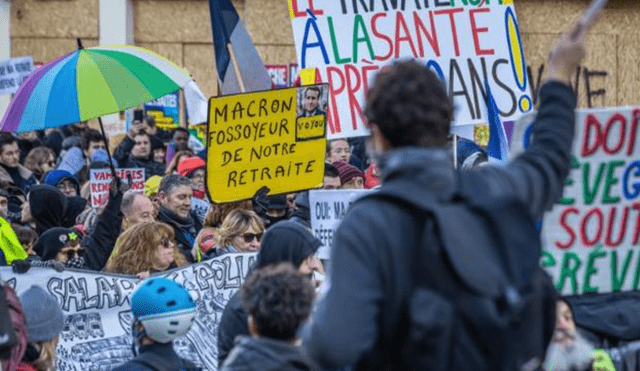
{"x": 465, "y": 42}
{"x": 274, "y": 139}
{"x": 592, "y": 236}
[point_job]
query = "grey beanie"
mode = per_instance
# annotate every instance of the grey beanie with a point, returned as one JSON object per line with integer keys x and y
{"x": 42, "y": 313}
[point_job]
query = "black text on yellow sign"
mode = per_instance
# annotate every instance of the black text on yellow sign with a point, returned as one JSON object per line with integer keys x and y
{"x": 274, "y": 139}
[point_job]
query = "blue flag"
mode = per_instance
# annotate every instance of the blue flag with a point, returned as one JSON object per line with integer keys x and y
{"x": 498, "y": 148}
{"x": 229, "y": 31}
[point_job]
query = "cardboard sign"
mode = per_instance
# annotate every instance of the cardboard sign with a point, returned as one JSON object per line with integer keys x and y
{"x": 279, "y": 75}
{"x": 328, "y": 208}
{"x": 97, "y": 309}
{"x": 13, "y": 72}
{"x": 273, "y": 139}
{"x": 464, "y": 42}
{"x": 592, "y": 237}
{"x": 165, "y": 110}
{"x": 101, "y": 183}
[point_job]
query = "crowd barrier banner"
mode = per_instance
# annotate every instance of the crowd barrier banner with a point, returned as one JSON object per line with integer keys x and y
{"x": 464, "y": 42}
{"x": 328, "y": 208}
{"x": 97, "y": 331}
{"x": 13, "y": 72}
{"x": 100, "y": 180}
{"x": 591, "y": 237}
{"x": 266, "y": 139}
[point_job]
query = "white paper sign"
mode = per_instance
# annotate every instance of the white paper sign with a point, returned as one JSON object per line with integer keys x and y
{"x": 101, "y": 183}
{"x": 328, "y": 208}
{"x": 13, "y": 72}
{"x": 591, "y": 238}
{"x": 464, "y": 42}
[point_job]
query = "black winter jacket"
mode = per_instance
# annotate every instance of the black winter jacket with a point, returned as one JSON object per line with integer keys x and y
{"x": 263, "y": 354}
{"x": 358, "y": 321}
{"x": 163, "y": 354}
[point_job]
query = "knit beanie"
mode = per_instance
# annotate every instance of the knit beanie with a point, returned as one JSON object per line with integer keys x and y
{"x": 42, "y": 313}
{"x": 286, "y": 241}
{"x": 347, "y": 172}
{"x": 151, "y": 186}
{"x": 52, "y": 241}
{"x": 188, "y": 165}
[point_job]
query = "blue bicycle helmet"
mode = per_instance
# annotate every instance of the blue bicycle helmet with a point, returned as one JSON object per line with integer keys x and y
{"x": 164, "y": 307}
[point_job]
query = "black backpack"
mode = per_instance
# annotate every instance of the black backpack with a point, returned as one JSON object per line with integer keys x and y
{"x": 479, "y": 299}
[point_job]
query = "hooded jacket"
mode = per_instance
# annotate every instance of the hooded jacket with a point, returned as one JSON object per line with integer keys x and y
{"x": 286, "y": 241}
{"x": 51, "y": 208}
{"x": 264, "y": 354}
{"x": 371, "y": 254}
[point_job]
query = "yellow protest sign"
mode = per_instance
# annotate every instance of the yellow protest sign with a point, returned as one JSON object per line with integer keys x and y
{"x": 274, "y": 139}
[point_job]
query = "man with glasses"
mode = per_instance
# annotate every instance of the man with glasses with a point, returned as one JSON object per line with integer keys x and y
{"x": 11, "y": 170}
{"x": 64, "y": 181}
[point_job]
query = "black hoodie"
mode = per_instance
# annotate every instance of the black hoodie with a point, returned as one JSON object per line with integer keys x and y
{"x": 51, "y": 208}
{"x": 286, "y": 241}
{"x": 264, "y": 354}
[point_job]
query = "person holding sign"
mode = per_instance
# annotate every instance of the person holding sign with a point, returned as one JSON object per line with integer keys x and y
{"x": 387, "y": 239}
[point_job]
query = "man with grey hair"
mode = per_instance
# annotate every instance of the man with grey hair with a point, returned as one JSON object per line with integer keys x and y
{"x": 174, "y": 195}
{"x": 136, "y": 208}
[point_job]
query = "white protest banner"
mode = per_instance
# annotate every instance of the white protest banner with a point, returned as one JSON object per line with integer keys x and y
{"x": 101, "y": 183}
{"x": 328, "y": 208}
{"x": 13, "y": 72}
{"x": 591, "y": 238}
{"x": 97, "y": 331}
{"x": 465, "y": 42}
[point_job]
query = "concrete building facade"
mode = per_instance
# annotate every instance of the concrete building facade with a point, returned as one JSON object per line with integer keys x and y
{"x": 181, "y": 31}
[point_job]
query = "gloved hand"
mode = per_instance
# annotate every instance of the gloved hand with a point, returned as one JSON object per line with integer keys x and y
{"x": 118, "y": 187}
{"x": 58, "y": 266}
{"x": 20, "y": 266}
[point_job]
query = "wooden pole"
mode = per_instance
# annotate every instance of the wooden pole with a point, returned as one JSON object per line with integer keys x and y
{"x": 236, "y": 68}
{"x": 455, "y": 151}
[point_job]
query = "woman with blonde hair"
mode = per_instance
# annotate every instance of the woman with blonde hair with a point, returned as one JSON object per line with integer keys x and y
{"x": 146, "y": 248}
{"x": 206, "y": 238}
{"x": 45, "y": 321}
{"x": 241, "y": 231}
{"x": 40, "y": 160}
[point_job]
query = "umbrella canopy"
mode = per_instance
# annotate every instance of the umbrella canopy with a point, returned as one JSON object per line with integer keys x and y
{"x": 90, "y": 83}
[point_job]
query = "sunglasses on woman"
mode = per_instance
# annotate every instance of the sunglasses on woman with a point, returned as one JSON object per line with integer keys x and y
{"x": 71, "y": 253}
{"x": 248, "y": 237}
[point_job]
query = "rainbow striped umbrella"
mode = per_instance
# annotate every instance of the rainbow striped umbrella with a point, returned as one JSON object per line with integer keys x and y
{"x": 90, "y": 83}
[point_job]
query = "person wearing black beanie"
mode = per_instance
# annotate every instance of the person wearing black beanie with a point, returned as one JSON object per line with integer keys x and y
{"x": 286, "y": 241}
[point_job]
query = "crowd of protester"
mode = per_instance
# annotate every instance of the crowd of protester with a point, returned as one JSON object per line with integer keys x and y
{"x": 46, "y": 220}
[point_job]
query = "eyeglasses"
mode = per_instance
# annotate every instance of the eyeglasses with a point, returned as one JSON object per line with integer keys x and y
{"x": 248, "y": 237}
{"x": 79, "y": 252}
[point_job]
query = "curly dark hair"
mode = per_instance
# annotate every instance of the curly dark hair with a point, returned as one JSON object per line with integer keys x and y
{"x": 279, "y": 299}
{"x": 91, "y": 135}
{"x": 410, "y": 106}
